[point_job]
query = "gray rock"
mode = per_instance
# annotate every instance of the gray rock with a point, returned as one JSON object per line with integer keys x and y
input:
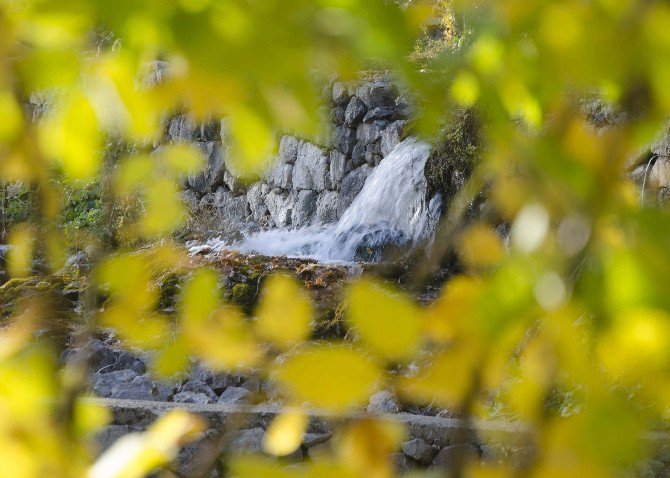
{"x": 198, "y": 386}
{"x": 234, "y": 183}
{"x": 326, "y": 207}
{"x": 351, "y": 186}
{"x": 312, "y": 168}
{"x": 661, "y": 145}
{"x": 230, "y": 207}
{"x": 419, "y": 450}
{"x": 391, "y": 137}
{"x": 198, "y": 182}
{"x": 216, "y": 167}
{"x": 192, "y": 397}
{"x": 369, "y": 132}
{"x": 102, "y": 357}
{"x": 281, "y": 176}
{"x": 108, "y": 435}
{"x": 384, "y": 112}
{"x": 358, "y": 154}
{"x": 280, "y": 205}
{"x": 190, "y": 198}
{"x": 182, "y": 128}
{"x": 246, "y": 441}
{"x": 233, "y": 395}
{"x": 102, "y": 384}
{"x": 340, "y": 93}
{"x": 339, "y": 166}
{"x": 139, "y": 388}
{"x": 313, "y": 439}
{"x": 337, "y": 115}
{"x": 288, "y": 149}
{"x": 383, "y": 402}
{"x": 355, "y": 112}
{"x": 448, "y": 456}
{"x": 127, "y": 361}
{"x": 253, "y": 384}
{"x": 377, "y": 93}
{"x": 305, "y": 207}
{"x": 256, "y": 201}
{"x": 209, "y": 131}
{"x": 401, "y": 463}
{"x": 344, "y": 139}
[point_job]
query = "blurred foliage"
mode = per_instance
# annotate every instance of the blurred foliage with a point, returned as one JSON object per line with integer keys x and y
{"x": 579, "y": 301}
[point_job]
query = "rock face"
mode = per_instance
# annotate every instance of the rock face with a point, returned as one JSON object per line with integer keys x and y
{"x": 307, "y": 184}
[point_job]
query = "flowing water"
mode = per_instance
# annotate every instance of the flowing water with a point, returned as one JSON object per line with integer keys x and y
{"x": 390, "y": 211}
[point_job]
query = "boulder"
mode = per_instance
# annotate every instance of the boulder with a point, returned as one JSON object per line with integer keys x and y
{"x": 288, "y": 149}
{"x": 190, "y": 199}
{"x": 234, "y": 183}
{"x": 102, "y": 384}
{"x": 419, "y": 450}
{"x": 369, "y": 153}
{"x": 344, "y": 139}
{"x": 355, "y": 112}
{"x": 230, "y": 207}
{"x": 139, "y": 388}
{"x": 337, "y": 114}
{"x": 448, "y": 456}
{"x": 192, "y": 397}
{"x": 339, "y": 166}
{"x": 370, "y": 132}
{"x": 198, "y": 386}
{"x": 340, "y": 93}
{"x": 326, "y": 207}
{"x": 378, "y": 94}
{"x": 305, "y": 207}
{"x": 312, "y": 168}
{"x": 384, "y": 113}
{"x": 383, "y": 402}
{"x": 256, "y": 201}
{"x": 234, "y": 395}
{"x": 280, "y": 205}
{"x": 245, "y": 441}
{"x": 281, "y": 176}
{"x": 351, "y": 186}
{"x": 182, "y": 128}
{"x": 391, "y": 137}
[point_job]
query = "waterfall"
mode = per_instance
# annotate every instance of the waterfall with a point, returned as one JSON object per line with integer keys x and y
{"x": 390, "y": 211}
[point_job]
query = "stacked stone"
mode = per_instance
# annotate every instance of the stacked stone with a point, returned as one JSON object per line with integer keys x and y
{"x": 653, "y": 175}
{"x": 308, "y": 184}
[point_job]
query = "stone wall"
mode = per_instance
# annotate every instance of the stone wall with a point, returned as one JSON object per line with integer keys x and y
{"x": 307, "y": 183}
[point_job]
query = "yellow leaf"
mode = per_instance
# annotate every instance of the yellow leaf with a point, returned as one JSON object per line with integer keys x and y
{"x": 445, "y": 380}
{"x": 12, "y": 117}
{"x": 284, "y": 313}
{"x": 200, "y": 297}
{"x": 449, "y": 316}
{"x": 183, "y": 158}
{"x": 366, "y": 447}
{"x": 465, "y": 88}
{"x": 480, "y": 246}
{"x": 164, "y": 209}
{"x": 336, "y": 377}
{"x": 387, "y": 321}
{"x": 132, "y": 173}
{"x": 22, "y": 248}
{"x": 284, "y": 435}
{"x": 254, "y": 141}
{"x": 135, "y": 455}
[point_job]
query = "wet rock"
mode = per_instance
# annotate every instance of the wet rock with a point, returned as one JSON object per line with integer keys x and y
{"x": 382, "y": 242}
{"x": 312, "y": 168}
{"x": 344, "y": 139}
{"x": 233, "y": 395}
{"x": 339, "y": 166}
{"x": 448, "y": 456}
{"x": 288, "y": 149}
{"x": 305, "y": 207}
{"x": 351, "y": 186}
{"x": 391, "y": 137}
{"x": 326, "y": 207}
{"x": 419, "y": 450}
{"x": 355, "y": 112}
{"x": 383, "y": 402}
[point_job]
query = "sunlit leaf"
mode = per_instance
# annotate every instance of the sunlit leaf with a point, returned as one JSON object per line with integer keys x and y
{"x": 284, "y": 435}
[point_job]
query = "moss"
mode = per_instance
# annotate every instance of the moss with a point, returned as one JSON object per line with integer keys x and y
{"x": 242, "y": 294}
{"x": 456, "y": 151}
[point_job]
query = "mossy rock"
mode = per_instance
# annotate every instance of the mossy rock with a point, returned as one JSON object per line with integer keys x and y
{"x": 241, "y": 294}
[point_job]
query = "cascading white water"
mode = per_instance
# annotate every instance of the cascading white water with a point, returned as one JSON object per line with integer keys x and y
{"x": 391, "y": 209}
